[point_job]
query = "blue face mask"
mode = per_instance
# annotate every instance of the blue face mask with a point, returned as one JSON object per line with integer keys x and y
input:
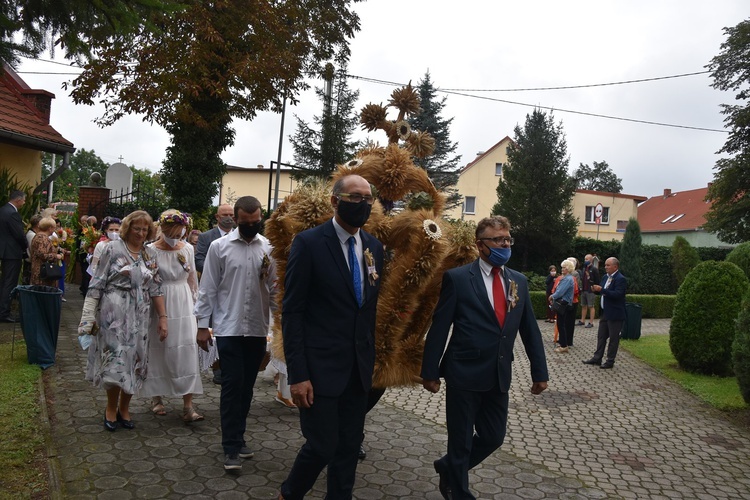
{"x": 586, "y": 263}
{"x": 499, "y": 256}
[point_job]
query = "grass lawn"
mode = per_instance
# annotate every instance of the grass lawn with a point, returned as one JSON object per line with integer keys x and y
{"x": 720, "y": 392}
{"x": 23, "y": 461}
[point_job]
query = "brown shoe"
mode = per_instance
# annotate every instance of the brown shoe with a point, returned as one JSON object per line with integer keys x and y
{"x": 190, "y": 415}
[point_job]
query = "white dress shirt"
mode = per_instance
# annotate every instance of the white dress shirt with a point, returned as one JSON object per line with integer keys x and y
{"x": 232, "y": 289}
{"x": 486, "y": 268}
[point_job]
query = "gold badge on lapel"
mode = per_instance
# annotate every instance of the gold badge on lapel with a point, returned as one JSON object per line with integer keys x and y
{"x": 372, "y": 273}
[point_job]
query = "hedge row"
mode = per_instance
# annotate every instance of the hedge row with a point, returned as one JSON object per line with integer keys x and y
{"x": 653, "y": 306}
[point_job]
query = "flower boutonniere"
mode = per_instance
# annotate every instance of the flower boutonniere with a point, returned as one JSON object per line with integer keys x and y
{"x": 372, "y": 273}
{"x": 513, "y": 295}
{"x": 183, "y": 261}
{"x": 264, "y": 265}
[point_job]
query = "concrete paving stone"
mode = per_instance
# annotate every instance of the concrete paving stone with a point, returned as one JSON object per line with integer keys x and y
{"x": 187, "y": 487}
{"x": 170, "y": 463}
{"x": 145, "y": 478}
{"x": 152, "y": 491}
{"x": 100, "y": 458}
{"x": 246, "y": 481}
{"x": 508, "y": 483}
{"x": 378, "y": 479}
{"x": 529, "y": 493}
{"x": 221, "y": 483}
{"x": 116, "y": 495}
{"x": 111, "y": 469}
{"x": 110, "y": 483}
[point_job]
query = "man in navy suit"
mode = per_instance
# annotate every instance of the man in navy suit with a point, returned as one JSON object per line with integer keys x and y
{"x": 612, "y": 291}
{"x": 225, "y": 223}
{"x": 487, "y": 304}
{"x": 331, "y": 285}
{"x": 13, "y": 245}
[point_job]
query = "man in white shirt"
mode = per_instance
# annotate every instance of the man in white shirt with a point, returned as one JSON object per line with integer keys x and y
{"x": 237, "y": 289}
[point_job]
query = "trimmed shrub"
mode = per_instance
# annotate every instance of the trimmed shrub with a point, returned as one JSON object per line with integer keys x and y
{"x": 741, "y": 349}
{"x": 683, "y": 259}
{"x": 653, "y": 306}
{"x": 741, "y": 257}
{"x": 703, "y": 322}
{"x": 630, "y": 256}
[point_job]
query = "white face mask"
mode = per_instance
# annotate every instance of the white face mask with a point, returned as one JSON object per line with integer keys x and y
{"x": 113, "y": 236}
{"x": 172, "y": 242}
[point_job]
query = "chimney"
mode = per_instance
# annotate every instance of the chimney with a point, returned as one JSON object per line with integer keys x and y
{"x": 41, "y": 100}
{"x": 667, "y": 193}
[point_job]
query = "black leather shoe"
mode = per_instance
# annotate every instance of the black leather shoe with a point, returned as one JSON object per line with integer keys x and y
{"x": 126, "y": 424}
{"x": 592, "y": 361}
{"x": 109, "y": 425}
{"x": 217, "y": 377}
{"x": 443, "y": 486}
{"x": 362, "y": 453}
{"x": 8, "y": 320}
{"x": 607, "y": 365}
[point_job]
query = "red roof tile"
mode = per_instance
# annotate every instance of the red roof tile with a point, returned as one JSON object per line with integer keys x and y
{"x": 681, "y": 211}
{"x": 21, "y": 122}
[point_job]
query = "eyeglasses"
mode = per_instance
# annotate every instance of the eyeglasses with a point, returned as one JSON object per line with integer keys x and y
{"x": 356, "y": 197}
{"x": 500, "y": 240}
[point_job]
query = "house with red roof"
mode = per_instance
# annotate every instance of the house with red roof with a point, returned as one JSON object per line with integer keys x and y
{"x": 683, "y": 213}
{"x": 25, "y": 131}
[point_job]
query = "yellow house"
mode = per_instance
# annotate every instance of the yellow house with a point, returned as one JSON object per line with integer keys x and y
{"x": 477, "y": 183}
{"x": 616, "y": 210}
{"x": 259, "y": 182}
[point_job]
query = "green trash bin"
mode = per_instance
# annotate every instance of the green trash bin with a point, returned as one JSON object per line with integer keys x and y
{"x": 631, "y": 328}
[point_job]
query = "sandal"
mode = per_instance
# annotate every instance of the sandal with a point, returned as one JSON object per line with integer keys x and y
{"x": 190, "y": 415}
{"x": 158, "y": 407}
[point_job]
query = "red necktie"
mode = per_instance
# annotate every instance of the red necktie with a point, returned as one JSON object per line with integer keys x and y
{"x": 498, "y": 296}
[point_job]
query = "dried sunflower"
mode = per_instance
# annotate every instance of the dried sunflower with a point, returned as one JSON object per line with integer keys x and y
{"x": 403, "y": 129}
{"x": 372, "y": 117}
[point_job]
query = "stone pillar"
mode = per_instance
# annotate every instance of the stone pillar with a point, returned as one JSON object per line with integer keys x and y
{"x": 92, "y": 200}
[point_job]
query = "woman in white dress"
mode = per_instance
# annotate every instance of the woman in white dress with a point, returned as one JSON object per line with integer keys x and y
{"x": 173, "y": 368}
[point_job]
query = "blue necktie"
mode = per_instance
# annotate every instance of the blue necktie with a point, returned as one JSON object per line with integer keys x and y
{"x": 354, "y": 265}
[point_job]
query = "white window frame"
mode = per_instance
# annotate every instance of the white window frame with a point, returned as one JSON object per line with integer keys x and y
{"x": 501, "y": 169}
{"x": 474, "y": 205}
{"x": 589, "y": 215}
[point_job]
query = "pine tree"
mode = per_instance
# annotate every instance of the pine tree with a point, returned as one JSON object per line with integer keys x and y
{"x": 683, "y": 258}
{"x": 630, "y": 255}
{"x": 443, "y": 165}
{"x": 320, "y": 149}
{"x": 535, "y": 192}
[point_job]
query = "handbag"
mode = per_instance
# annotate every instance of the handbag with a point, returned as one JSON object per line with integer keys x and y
{"x": 559, "y": 306}
{"x": 50, "y": 271}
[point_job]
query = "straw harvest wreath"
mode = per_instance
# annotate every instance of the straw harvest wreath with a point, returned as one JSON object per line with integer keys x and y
{"x": 420, "y": 245}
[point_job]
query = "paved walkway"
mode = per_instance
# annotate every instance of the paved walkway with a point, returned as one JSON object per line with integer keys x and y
{"x": 621, "y": 433}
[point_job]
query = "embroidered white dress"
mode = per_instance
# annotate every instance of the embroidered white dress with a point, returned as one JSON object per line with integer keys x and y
{"x": 173, "y": 364}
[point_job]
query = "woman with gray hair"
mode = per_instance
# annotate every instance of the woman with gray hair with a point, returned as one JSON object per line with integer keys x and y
{"x": 564, "y": 292}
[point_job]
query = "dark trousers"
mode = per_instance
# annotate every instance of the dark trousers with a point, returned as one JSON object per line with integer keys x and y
{"x": 11, "y": 269}
{"x": 570, "y": 322}
{"x": 240, "y": 360}
{"x": 476, "y": 428}
{"x": 608, "y": 329}
{"x": 550, "y": 312}
{"x": 333, "y": 429}
{"x": 85, "y": 277}
{"x": 563, "y": 322}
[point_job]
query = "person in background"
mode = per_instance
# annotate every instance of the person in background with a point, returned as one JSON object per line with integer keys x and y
{"x": 119, "y": 301}
{"x": 571, "y": 318}
{"x": 564, "y": 292}
{"x": 225, "y": 223}
{"x": 549, "y": 283}
{"x": 110, "y": 232}
{"x": 13, "y": 248}
{"x": 193, "y": 238}
{"x": 589, "y": 276}
{"x": 82, "y": 255}
{"x": 43, "y": 250}
{"x": 612, "y": 291}
{"x": 173, "y": 368}
{"x": 58, "y": 238}
{"x": 33, "y": 228}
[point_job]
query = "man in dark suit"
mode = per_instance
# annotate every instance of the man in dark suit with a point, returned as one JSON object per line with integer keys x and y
{"x": 328, "y": 321}
{"x": 487, "y": 304}
{"x": 13, "y": 245}
{"x": 225, "y": 223}
{"x": 612, "y": 291}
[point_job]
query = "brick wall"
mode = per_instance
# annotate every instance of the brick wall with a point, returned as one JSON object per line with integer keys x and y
{"x": 92, "y": 201}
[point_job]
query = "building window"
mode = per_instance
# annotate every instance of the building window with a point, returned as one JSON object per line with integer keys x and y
{"x": 622, "y": 225}
{"x": 498, "y": 169}
{"x": 591, "y": 219}
{"x": 470, "y": 203}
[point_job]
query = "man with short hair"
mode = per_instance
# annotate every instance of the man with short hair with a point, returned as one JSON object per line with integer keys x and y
{"x": 332, "y": 283}
{"x": 487, "y": 304}
{"x": 237, "y": 291}
{"x": 589, "y": 276}
{"x": 13, "y": 248}
{"x": 224, "y": 224}
{"x": 612, "y": 291}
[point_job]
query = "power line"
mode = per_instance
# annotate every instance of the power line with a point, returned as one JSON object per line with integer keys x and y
{"x": 584, "y": 113}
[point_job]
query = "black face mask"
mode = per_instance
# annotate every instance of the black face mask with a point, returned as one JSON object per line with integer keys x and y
{"x": 354, "y": 214}
{"x": 249, "y": 230}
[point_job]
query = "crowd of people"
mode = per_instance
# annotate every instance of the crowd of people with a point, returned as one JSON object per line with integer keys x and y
{"x": 163, "y": 302}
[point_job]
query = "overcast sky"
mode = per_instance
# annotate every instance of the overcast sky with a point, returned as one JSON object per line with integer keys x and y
{"x": 499, "y": 46}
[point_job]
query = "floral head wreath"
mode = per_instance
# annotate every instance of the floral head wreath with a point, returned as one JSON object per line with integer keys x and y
{"x": 175, "y": 218}
{"x": 109, "y": 220}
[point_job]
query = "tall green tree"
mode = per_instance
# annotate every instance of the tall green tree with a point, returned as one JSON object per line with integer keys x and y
{"x": 600, "y": 177}
{"x": 83, "y": 163}
{"x": 729, "y": 193}
{"x": 630, "y": 255}
{"x": 318, "y": 148}
{"x": 535, "y": 192}
{"x": 443, "y": 165}
{"x": 683, "y": 258}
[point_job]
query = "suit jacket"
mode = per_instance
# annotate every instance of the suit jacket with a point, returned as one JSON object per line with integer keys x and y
{"x": 201, "y": 249}
{"x": 12, "y": 238}
{"x": 325, "y": 331}
{"x": 480, "y": 352}
{"x": 614, "y": 297}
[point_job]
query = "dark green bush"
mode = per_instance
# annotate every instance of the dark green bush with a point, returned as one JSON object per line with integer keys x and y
{"x": 741, "y": 257}
{"x": 654, "y": 306}
{"x": 683, "y": 259}
{"x": 741, "y": 349}
{"x": 703, "y": 322}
